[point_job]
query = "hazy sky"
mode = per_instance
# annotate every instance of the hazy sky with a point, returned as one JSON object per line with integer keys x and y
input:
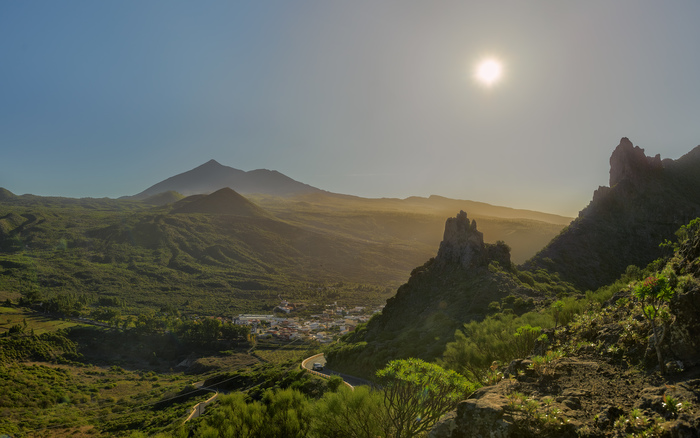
{"x": 371, "y": 98}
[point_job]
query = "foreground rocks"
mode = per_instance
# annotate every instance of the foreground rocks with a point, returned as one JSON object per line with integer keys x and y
{"x": 602, "y": 380}
{"x": 578, "y": 397}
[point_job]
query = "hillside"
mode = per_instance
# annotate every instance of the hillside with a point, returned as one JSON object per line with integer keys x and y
{"x": 417, "y": 220}
{"x": 598, "y": 376}
{"x": 242, "y": 256}
{"x": 647, "y": 201}
{"x": 467, "y": 280}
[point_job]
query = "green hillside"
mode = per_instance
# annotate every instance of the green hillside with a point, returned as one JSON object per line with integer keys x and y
{"x": 220, "y": 252}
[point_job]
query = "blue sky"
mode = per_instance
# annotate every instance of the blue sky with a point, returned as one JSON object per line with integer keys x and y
{"x": 370, "y": 98}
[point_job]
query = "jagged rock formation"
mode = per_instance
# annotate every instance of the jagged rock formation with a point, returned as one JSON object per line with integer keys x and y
{"x": 628, "y": 162}
{"x": 647, "y": 201}
{"x": 449, "y": 290}
{"x": 462, "y": 244}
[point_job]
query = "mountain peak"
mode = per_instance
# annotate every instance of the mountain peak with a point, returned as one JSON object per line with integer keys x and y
{"x": 212, "y": 176}
{"x": 629, "y": 162}
{"x": 222, "y": 201}
{"x": 6, "y": 195}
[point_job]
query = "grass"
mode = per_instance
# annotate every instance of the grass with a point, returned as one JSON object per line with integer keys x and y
{"x": 38, "y": 323}
{"x": 149, "y": 257}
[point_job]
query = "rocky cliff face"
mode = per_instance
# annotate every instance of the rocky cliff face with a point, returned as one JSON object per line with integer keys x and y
{"x": 629, "y": 162}
{"x": 647, "y": 201}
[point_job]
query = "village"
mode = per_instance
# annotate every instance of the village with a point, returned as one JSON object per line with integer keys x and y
{"x": 325, "y": 327}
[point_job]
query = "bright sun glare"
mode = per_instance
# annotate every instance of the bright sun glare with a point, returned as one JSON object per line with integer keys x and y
{"x": 489, "y": 71}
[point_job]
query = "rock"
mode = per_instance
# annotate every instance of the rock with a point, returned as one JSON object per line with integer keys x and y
{"x": 462, "y": 243}
{"x": 684, "y": 334}
{"x": 607, "y": 416}
{"x": 482, "y": 416}
{"x": 629, "y": 162}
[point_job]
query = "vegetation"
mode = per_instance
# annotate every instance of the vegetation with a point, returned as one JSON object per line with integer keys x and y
{"x": 653, "y": 293}
{"x": 417, "y": 394}
{"x": 414, "y": 396}
{"x": 100, "y": 300}
{"x": 499, "y": 338}
{"x": 69, "y": 254}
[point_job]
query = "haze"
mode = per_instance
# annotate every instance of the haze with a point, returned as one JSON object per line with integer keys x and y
{"x": 370, "y": 98}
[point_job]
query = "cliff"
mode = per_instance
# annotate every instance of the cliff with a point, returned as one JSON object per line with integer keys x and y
{"x": 647, "y": 201}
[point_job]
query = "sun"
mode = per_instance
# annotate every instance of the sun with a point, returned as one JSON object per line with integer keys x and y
{"x": 489, "y": 71}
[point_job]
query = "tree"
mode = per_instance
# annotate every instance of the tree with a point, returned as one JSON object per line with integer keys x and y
{"x": 234, "y": 417}
{"x": 418, "y": 393}
{"x": 557, "y": 308}
{"x": 288, "y": 414}
{"x": 653, "y": 293}
{"x": 351, "y": 414}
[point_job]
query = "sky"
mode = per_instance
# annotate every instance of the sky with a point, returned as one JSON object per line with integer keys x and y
{"x": 373, "y": 98}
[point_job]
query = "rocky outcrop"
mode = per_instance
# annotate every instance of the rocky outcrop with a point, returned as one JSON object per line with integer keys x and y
{"x": 483, "y": 415}
{"x": 629, "y": 162}
{"x": 462, "y": 243}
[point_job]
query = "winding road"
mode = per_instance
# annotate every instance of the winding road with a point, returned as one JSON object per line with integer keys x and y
{"x": 351, "y": 381}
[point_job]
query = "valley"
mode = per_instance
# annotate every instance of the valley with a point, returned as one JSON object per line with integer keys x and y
{"x": 121, "y": 315}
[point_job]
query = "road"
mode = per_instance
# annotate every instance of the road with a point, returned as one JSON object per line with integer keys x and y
{"x": 352, "y": 380}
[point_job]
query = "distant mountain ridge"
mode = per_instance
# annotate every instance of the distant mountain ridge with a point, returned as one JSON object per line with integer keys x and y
{"x": 212, "y": 176}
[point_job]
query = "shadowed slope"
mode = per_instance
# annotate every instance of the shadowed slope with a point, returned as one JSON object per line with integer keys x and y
{"x": 647, "y": 201}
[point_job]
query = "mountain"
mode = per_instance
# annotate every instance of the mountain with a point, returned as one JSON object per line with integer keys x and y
{"x": 222, "y": 201}
{"x": 647, "y": 201}
{"x": 6, "y": 195}
{"x": 415, "y": 219}
{"x": 212, "y": 176}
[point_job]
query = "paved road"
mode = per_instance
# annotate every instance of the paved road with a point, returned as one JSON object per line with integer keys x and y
{"x": 198, "y": 409}
{"x": 352, "y": 380}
